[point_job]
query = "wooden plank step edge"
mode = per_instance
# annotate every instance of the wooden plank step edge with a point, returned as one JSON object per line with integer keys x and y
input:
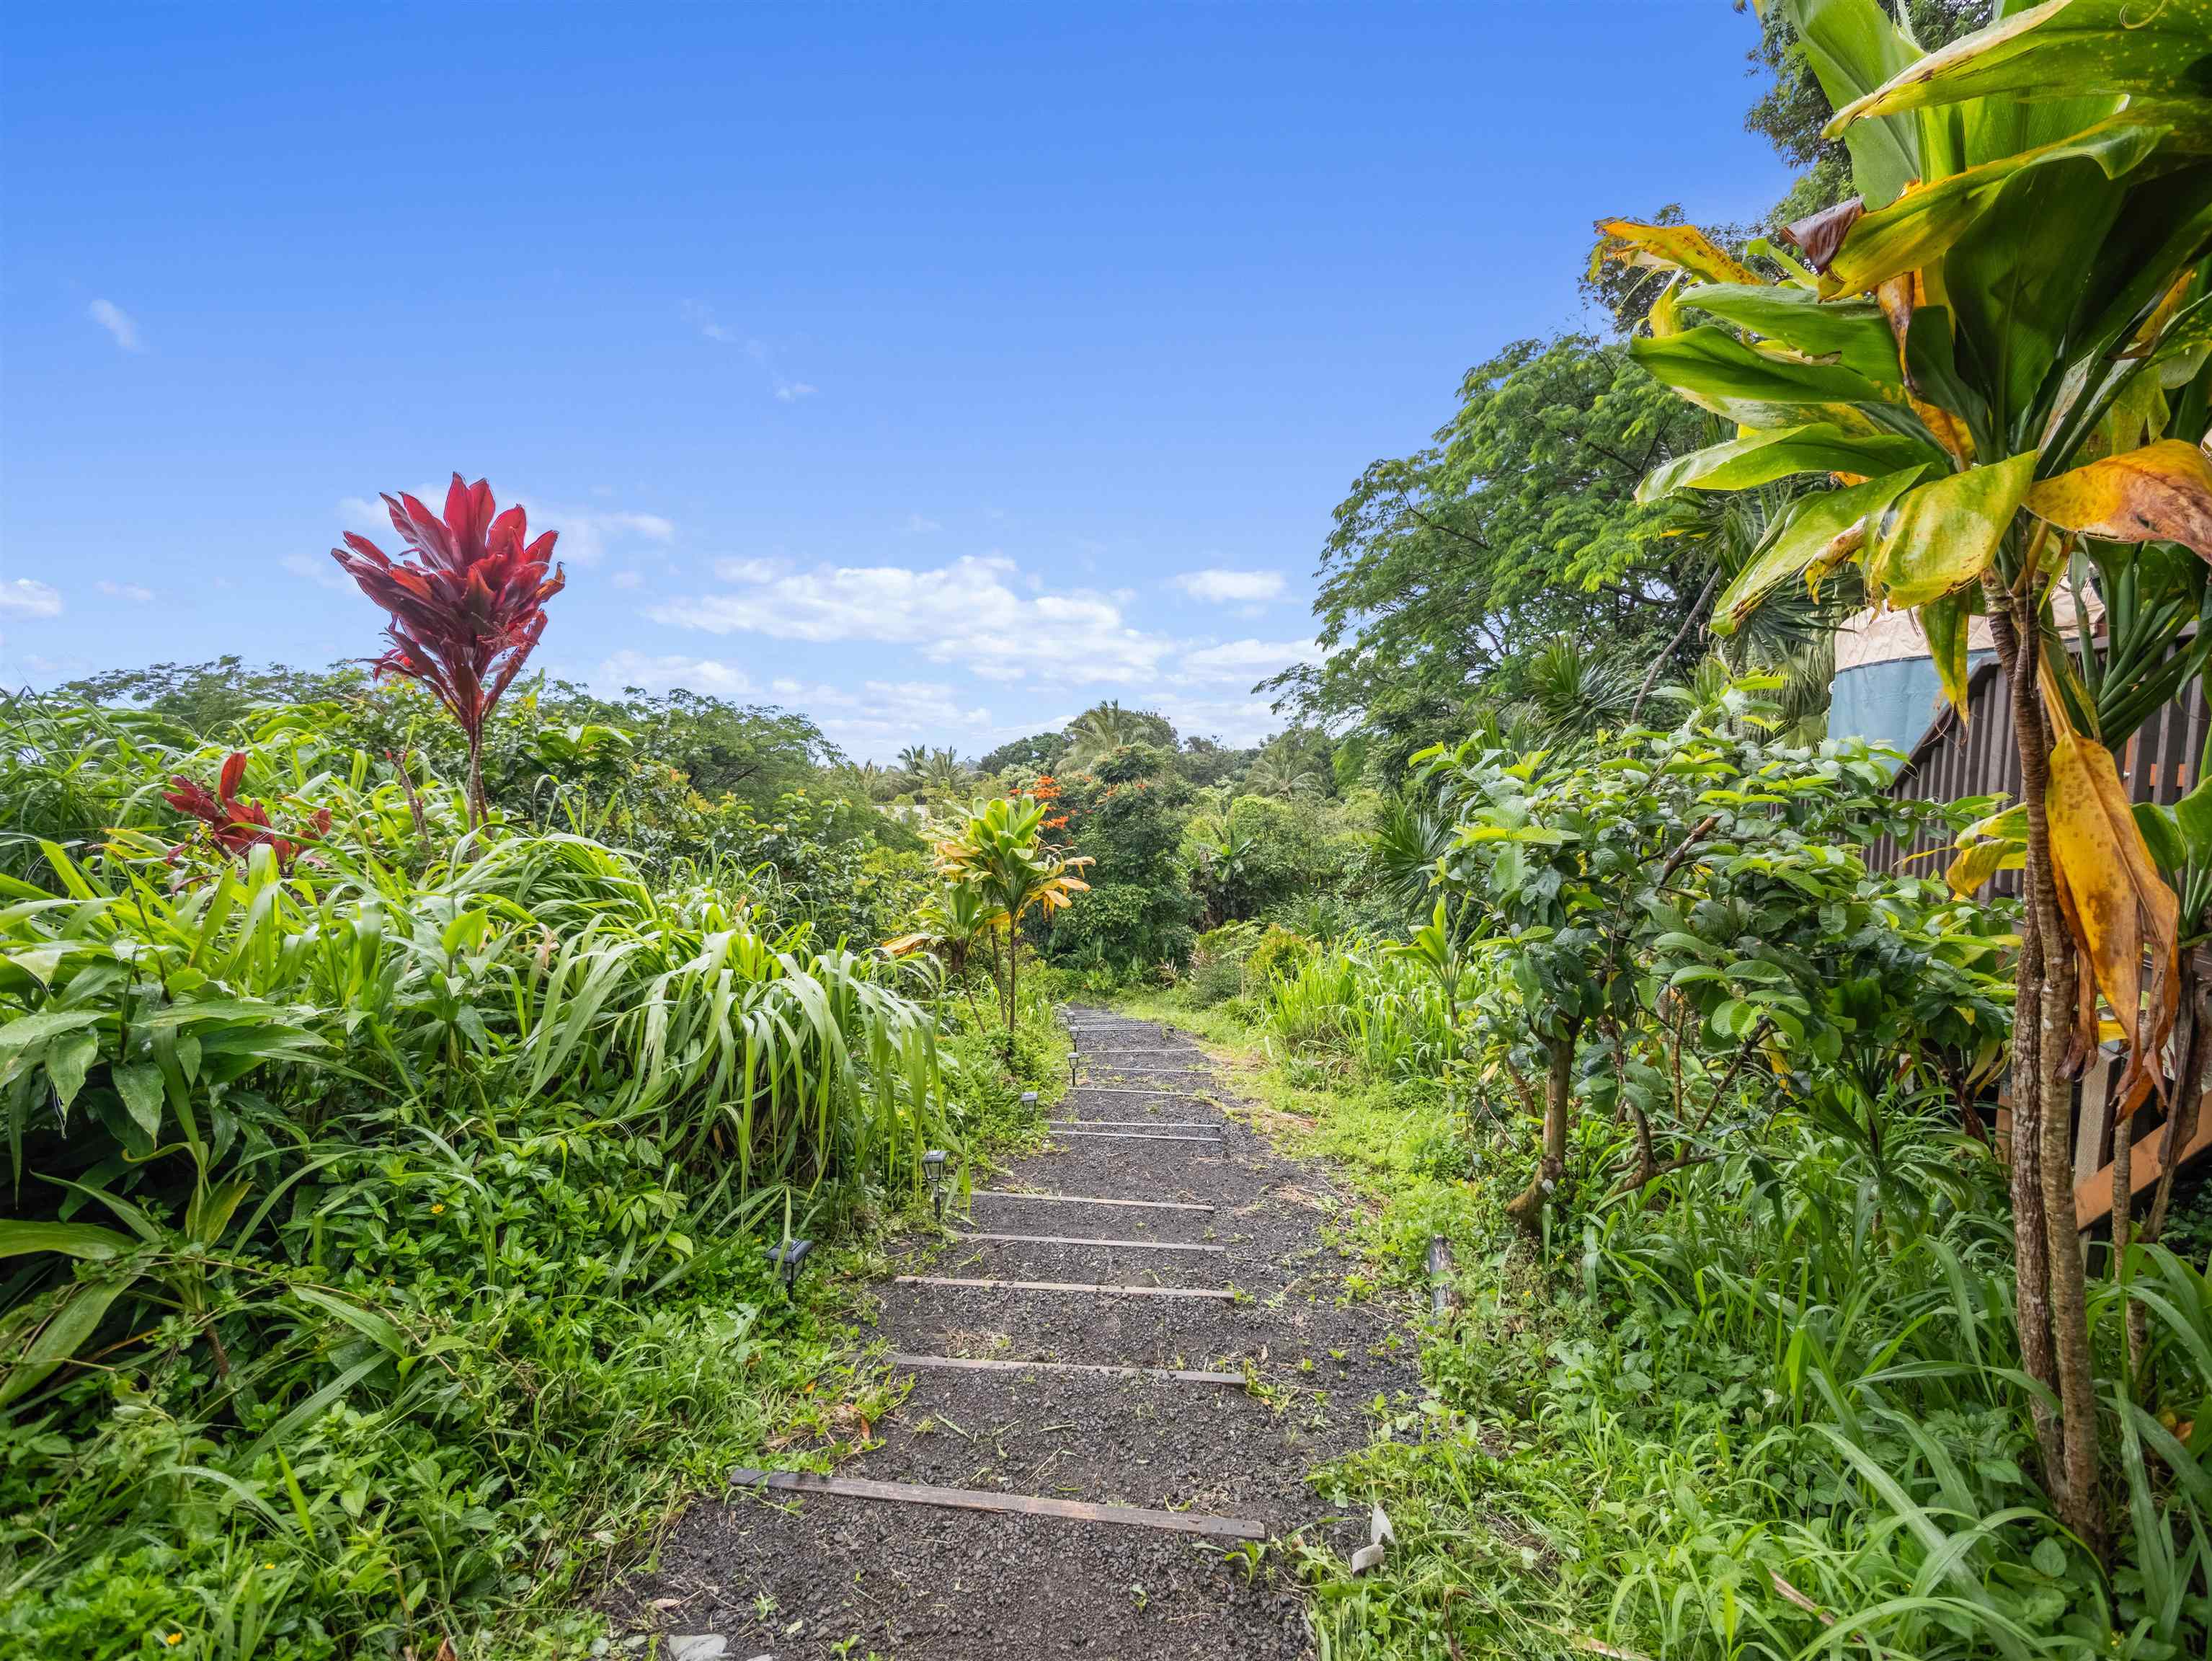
{"x": 1220, "y": 1294}
{"x": 1097, "y": 1369}
{"x": 1133, "y": 1124}
{"x": 1085, "y": 1199}
{"x": 1131, "y": 1135}
{"x": 1084, "y": 1240}
{"x": 1024, "y": 1505}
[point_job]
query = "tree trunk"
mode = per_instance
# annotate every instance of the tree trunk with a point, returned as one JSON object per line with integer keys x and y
{"x": 476, "y": 783}
{"x": 2052, "y": 1296}
{"x": 1526, "y": 1208}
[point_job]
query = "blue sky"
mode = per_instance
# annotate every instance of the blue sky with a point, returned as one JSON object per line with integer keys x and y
{"x": 935, "y": 370}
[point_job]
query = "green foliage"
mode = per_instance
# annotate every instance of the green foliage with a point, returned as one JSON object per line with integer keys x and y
{"x": 1127, "y": 817}
{"x": 1519, "y": 523}
{"x": 385, "y": 1232}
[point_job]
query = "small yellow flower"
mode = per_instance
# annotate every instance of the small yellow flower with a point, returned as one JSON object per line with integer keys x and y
{"x": 174, "y": 1638}
{"x": 435, "y": 1209}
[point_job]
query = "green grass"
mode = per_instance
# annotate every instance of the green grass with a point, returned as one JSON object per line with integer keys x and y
{"x": 1761, "y": 1421}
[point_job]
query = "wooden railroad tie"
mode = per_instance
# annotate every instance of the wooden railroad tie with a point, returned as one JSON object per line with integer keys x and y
{"x": 1133, "y": 1124}
{"x": 1218, "y": 1294}
{"x": 1082, "y": 1240}
{"x": 1130, "y": 1135}
{"x": 1084, "y": 1199}
{"x": 1024, "y": 1505}
{"x": 1095, "y": 1369}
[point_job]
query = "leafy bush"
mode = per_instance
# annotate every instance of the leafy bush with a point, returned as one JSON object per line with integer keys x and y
{"x": 388, "y": 1225}
{"x": 1278, "y": 952}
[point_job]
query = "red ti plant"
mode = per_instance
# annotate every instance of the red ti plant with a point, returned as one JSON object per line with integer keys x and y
{"x": 237, "y": 827}
{"x": 465, "y": 610}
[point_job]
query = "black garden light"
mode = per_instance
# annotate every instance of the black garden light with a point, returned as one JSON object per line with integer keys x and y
{"x": 786, "y": 1258}
{"x": 933, "y": 1163}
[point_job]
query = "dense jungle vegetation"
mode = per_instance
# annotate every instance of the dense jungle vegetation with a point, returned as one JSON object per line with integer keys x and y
{"x": 412, "y": 1079}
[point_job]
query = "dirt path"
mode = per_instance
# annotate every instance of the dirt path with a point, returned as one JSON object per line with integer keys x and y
{"x": 1162, "y": 1166}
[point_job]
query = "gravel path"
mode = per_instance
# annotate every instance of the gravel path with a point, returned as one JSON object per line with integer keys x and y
{"x": 835, "y": 1575}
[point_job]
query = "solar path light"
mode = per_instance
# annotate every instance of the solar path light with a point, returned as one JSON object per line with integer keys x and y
{"x": 786, "y": 1258}
{"x": 933, "y": 1163}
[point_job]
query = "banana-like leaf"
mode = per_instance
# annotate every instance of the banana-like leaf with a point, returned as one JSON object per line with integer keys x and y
{"x": 1900, "y": 300}
{"x": 76, "y": 1311}
{"x": 1716, "y": 371}
{"x": 1852, "y": 332}
{"x": 1945, "y": 532}
{"x": 1670, "y": 248}
{"x": 87, "y": 1240}
{"x": 1912, "y": 232}
{"x": 1854, "y": 49}
{"x": 2152, "y": 54}
{"x": 1814, "y": 527}
{"x": 1754, "y": 459}
{"x": 1988, "y": 846}
{"x": 2117, "y": 905}
{"x": 1944, "y": 621}
{"x": 2159, "y": 493}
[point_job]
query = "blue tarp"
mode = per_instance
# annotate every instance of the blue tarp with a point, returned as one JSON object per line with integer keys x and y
{"x": 1888, "y": 703}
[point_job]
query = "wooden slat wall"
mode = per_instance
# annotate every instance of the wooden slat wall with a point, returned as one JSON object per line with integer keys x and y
{"x": 1975, "y": 758}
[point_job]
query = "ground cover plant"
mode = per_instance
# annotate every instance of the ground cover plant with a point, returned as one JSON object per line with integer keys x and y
{"x": 393, "y": 1178}
{"x": 1704, "y": 1111}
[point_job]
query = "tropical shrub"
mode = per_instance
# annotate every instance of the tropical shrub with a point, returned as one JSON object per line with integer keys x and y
{"x": 1995, "y": 349}
{"x": 390, "y": 1204}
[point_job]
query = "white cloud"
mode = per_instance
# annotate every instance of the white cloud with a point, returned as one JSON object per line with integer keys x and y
{"x": 967, "y": 613}
{"x": 627, "y": 579}
{"x": 34, "y": 600}
{"x": 792, "y": 391}
{"x": 129, "y": 591}
{"x": 918, "y": 525}
{"x": 118, "y": 322}
{"x": 1247, "y": 661}
{"x": 1232, "y": 721}
{"x": 586, "y": 534}
{"x": 702, "y": 317}
{"x": 1221, "y": 588}
{"x": 668, "y": 673}
{"x": 751, "y": 570}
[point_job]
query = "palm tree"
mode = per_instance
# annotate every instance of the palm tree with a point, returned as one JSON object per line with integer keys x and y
{"x": 1278, "y": 773}
{"x": 943, "y": 771}
{"x": 1100, "y": 730}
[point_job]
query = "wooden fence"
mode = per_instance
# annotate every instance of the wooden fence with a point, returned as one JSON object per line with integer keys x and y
{"x": 1976, "y": 758}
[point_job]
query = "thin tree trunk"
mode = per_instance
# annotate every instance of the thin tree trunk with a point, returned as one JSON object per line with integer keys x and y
{"x": 1651, "y": 675}
{"x": 2061, "y": 1298}
{"x": 1526, "y": 1208}
{"x": 2024, "y": 1142}
{"x": 476, "y": 813}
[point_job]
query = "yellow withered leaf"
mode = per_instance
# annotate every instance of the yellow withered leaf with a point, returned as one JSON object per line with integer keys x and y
{"x": 1899, "y": 297}
{"x": 1671, "y": 248}
{"x": 2159, "y": 493}
{"x": 1945, "y": 621}
{"x": 1943, "y": 532}
{"x": 2116, "y": 905}
{"x": 1986, "y": 847}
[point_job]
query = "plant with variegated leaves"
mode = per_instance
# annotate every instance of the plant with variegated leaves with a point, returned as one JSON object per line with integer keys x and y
{"x": 1997, "y": 353}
